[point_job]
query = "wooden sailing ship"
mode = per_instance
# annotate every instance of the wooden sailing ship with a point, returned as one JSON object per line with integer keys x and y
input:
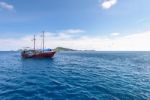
{"x": 38, "y": 53}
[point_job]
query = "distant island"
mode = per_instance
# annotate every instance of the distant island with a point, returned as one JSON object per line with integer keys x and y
{"x": 57, "y": 49}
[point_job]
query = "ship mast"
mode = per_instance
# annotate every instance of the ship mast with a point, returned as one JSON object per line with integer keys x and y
{"x": 43, "y": 41}
{"x": 34, "y": 42}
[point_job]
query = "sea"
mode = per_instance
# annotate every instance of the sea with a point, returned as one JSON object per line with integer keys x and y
{"x": 76, "y": 75}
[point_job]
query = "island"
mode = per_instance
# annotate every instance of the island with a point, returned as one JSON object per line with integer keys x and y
{"x": 57, "y": 49}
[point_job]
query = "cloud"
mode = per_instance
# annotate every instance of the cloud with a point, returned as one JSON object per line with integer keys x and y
{"x": 70, "y": 33}
{"x": 73, "y": 31}
{"x": 115, "y": 34}
{"x": 107, "y": 4}
{"x": 6, "y": 6}
{"x": 132, "y": 42}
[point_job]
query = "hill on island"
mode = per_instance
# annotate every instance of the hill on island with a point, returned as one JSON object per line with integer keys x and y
{"x": 63, "y": 49}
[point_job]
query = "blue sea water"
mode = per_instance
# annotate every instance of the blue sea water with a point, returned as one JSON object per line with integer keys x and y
{"x": 76, "y": 76}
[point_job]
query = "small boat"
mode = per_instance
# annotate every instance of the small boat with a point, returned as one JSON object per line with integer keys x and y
{"x": 37, "y": 53}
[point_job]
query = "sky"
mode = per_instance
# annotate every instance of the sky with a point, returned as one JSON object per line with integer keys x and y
{"x": 104, "y": 25}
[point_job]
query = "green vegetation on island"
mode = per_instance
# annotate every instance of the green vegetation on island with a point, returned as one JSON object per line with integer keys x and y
{"x": 63, "y": 49}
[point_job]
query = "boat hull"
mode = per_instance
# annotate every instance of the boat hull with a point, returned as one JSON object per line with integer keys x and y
{"x": 39, "y": 55}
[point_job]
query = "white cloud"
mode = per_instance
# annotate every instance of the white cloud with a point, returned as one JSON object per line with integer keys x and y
{"x": 73, "y": 31}
{"x": 133, "y": 42}
{"x": 115, "y": 34}
{"x": 6, "y": 6}
{"x": 106, "y": 4}
{"x": 70, "y": 33}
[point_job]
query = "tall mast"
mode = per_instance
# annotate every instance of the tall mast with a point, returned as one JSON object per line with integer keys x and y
{"x": 43, "y": 41}
{"x": 34, "y": 42}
